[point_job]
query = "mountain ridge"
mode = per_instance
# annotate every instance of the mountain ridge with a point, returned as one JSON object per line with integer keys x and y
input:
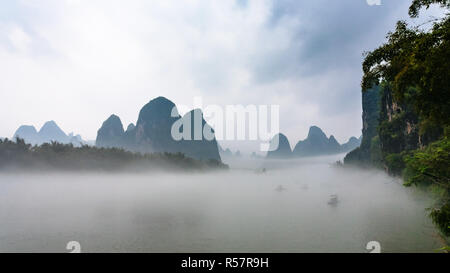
{"x": 153, "y": 132}
{"x": 48, "y": 133}
{"x": 315, "y": 144}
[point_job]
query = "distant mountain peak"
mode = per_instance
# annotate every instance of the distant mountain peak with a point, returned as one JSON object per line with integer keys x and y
{"x": 27, "y": 133}
{"x": 317, "y": 143}
{"x": 111, "y": 131}
{"x": 114, "y": 122}
{"x": 50, "y": 123}
{"x": 161, "y": 99}
{"x": 197, "y": 110}
{"x": 28, "y": 128}
{"x": 153, "y": 132}
{"x": 157, "y": 109}
{"x": 50, "y": 131}
{"x": 315, "y": 131}
{"x": 279, "y": 147}
{"x": 130, "y": 127}
{"x": 333, "y": 139}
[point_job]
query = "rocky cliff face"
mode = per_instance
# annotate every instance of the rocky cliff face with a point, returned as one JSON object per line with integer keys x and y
{"x": 369, "y": 148}
{"x": 280, "y": 147}
{"x": 153, "y": 128}
{"x": 389, "y": 129}
{"x": 153, "y": 132}
{"x": 196, "y": 145}
{"x": 111, "y": 133}
{"x": 398, "y": 128}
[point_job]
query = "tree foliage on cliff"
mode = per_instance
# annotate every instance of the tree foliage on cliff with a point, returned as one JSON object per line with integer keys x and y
{"x": 413, "y": 66}
{"x": 430, "y": 167}
{"x": 418, "y": 4}
{"x": 415, "y": 63}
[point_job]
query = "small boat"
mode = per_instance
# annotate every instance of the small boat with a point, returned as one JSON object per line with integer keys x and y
{"x": 280, "y": 188}
{"x": 261, "y": 171}
{"x": 333, "y": 200}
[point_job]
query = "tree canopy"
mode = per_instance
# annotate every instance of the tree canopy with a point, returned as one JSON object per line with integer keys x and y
{"x": 418, "y": 4}
{"x": 415, "y": 63}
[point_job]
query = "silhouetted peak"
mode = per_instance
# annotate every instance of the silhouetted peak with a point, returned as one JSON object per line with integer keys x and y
{"x": 153, "y": 132}
{"x": 130, "y": 127}
{"x": 50, "y": 124}
{"x": 113, "y": 122}
{"x": 282, "y": 138}
{"x": 159, "y": 108}
{"x": 279, "y": 147}
{"x": 113, "y": 118}
{"x": 196, "y": 111}
{"x": 27, "y": 129}
{"x": 333, "y": 140}
{"x": 110, "y": 132}
{"x": 50, "y": 131}
{"x": 316, "y": 132}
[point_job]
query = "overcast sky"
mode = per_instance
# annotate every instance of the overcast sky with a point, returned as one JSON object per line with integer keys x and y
{"x": 77, "y": 62}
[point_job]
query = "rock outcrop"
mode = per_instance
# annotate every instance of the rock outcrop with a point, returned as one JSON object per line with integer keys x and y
{"x": 111, "y": 133}
{"x": 154, "y": 129}
{"x": 279, "y": 147}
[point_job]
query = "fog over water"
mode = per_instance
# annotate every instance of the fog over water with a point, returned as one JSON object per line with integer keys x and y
{"x": 283, "y": 210}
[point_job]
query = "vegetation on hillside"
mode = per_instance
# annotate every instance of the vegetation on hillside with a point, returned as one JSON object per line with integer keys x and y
{"x": 415, "y": 64}
{"x": 429, "y": 167}
{"x": 412, "y": 70}
{"x": 65, "y": 157}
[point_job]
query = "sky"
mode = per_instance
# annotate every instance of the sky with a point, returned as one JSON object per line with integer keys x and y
{"x": 79, "y": 61}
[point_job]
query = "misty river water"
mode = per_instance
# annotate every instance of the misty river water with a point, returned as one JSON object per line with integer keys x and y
{"x": 283, "y": 210}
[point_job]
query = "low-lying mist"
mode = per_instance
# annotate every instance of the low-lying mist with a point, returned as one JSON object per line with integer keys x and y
{"x": 284, "y": 209}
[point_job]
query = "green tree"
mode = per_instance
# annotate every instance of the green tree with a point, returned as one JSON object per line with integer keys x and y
{"x": 414, "y": 65}
{"x": 418, "y": 4}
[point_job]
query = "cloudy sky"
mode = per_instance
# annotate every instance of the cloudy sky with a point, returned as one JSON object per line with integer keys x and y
{"x": 79, "y": 61}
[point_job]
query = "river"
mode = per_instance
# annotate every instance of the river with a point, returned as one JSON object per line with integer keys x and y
{"x": 284, "y": 209}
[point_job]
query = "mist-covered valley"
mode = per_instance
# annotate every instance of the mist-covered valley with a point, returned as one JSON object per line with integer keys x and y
{"x": 258, "y": 205}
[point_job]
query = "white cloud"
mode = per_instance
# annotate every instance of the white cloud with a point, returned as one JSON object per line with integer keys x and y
{"x": 19, "y": 40}
{"x": 79, "y": 61}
